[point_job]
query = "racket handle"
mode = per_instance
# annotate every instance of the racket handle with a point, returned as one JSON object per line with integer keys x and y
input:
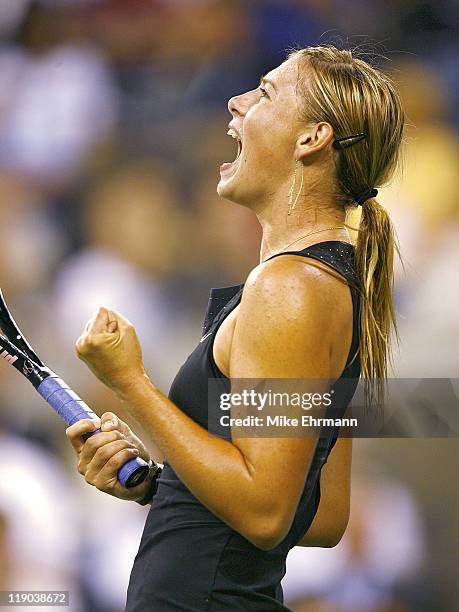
{"x": 72, "y": 408}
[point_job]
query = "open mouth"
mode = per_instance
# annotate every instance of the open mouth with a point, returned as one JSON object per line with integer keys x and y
{"x": 227, "y": 165}
{"x": 236, "y": 136}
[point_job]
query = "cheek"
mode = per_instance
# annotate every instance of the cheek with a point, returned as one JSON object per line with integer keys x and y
{"x": 269, "y": 127}
{"x": 261, "y": 138}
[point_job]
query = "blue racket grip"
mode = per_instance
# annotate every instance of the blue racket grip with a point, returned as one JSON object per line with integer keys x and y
{"x": 72, "y": 408}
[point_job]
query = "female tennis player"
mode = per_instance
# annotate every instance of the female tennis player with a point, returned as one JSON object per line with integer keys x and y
{"x": 318, "y": 135}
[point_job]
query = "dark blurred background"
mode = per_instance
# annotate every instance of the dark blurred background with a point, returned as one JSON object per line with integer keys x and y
{"x": 113, "y": 125}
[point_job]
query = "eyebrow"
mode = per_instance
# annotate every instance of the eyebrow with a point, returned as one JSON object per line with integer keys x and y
{"x": 264, "y": 80}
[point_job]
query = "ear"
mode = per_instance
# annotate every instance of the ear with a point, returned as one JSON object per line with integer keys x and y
{"x": 313, "y": 140}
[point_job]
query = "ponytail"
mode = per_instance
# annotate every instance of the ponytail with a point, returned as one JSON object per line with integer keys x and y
{"x": 374, "y": 260}
{"x": 363, "y": 107}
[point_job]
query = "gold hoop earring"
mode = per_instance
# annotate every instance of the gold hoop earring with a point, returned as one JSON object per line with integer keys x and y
{"x": 291, "y": 205}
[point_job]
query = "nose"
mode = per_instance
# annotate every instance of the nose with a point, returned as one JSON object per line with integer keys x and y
{"x": 235, "y": 106}
{"x": 240, "y": 105}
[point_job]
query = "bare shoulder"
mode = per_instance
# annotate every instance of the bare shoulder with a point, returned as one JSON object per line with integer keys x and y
{"x": 295, "y": 319}
{"x": 296, "y": 280}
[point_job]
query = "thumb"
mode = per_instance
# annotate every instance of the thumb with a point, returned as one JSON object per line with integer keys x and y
{"x": 113, "y": 321}
{"x": 109, "y": 421}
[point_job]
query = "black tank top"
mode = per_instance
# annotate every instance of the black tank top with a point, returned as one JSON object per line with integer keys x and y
{"x": 188, "y": 558}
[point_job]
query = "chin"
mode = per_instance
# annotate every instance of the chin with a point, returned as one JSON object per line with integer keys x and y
{"x": 230, "y": 189}
{"x": 226, "y": 189}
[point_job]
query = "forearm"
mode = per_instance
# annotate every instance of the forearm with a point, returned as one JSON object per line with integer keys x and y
{"x": 213, "y": 469}
{"x": 332, "y": 515}
{"x": 326, "y": 529}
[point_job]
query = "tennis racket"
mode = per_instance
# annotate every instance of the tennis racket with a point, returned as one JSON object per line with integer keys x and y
{"x": 16, "y": 351}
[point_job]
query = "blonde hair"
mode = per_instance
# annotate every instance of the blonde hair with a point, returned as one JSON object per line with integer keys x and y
{"x": 355, "y": 98}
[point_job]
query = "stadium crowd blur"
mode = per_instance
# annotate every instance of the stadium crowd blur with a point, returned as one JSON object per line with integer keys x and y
{"x": 113, "y": 125}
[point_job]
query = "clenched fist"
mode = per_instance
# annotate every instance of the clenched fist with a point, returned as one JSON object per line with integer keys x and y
{"x": 110, "y": 348}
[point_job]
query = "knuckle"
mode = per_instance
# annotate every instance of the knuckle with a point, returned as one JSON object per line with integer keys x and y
{"x": 80, "y": 343}
{"x": 101, "y": 486}
{"x": 108, "y": 451}
{"x": 102, "y": 453}
{"x": 89, "y": 479}
{"x": 105, "y": 452}
{"x": 101, "y": 439}
{"x": 114, "y": 462}
{"x": 86, "y": 423}
{"x": 81, "y": 350}
{"x": 113, "y": 435}
{"x": 92, "y": 444}
{"x": 89, "y": 343}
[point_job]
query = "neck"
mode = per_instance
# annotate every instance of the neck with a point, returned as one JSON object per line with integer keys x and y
{"x": 309, "y": 215}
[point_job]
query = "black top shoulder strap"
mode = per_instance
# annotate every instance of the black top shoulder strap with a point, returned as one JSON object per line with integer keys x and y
{"x": 336, "y": 254}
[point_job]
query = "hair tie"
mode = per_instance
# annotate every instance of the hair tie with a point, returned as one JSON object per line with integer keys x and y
{"x": 365, "y": 195}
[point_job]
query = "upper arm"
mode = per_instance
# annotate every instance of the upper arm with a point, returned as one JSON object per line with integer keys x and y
{"x": 286, "y": 327}
{"x": 287, "y": 320}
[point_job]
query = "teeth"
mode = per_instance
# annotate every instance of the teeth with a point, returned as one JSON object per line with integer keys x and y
{"x": 235, "y": 135}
